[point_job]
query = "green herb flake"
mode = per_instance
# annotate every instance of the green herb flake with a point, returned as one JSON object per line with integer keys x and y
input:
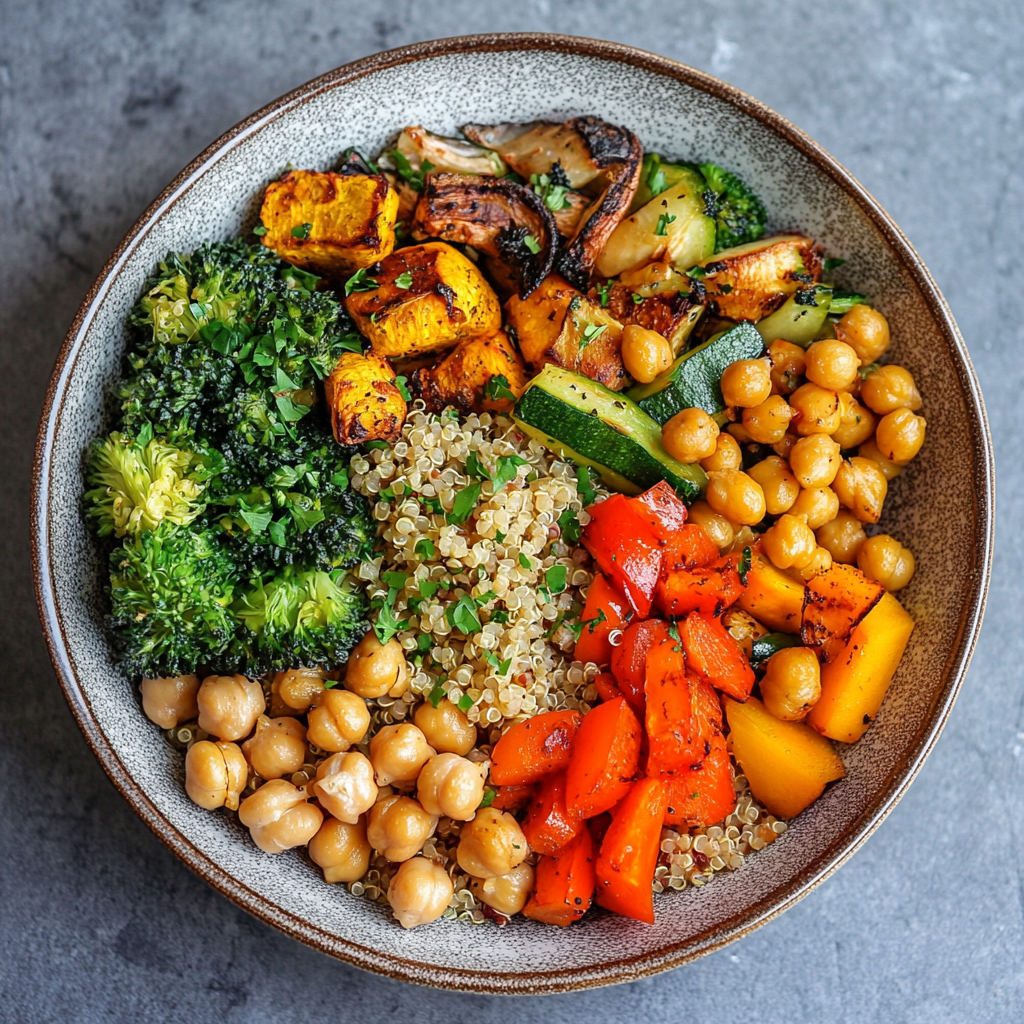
{"x": 475, "y": 468}
{"x": 404, "y": 281}
{"x": 394, "y": 579}
{"x": 833, "y": 264}
{"x": 360, "y": 281}
{"x": 506, "y": 470}
{"x": 259, "y": 230}
{"x": 465, "y": 703}
{"x": 556, "y": 578}
{"x": 428, "y": 588}
{"x": 423, "y": 643}
{"x": 489, "y": 795}
{"x": 637, "y": 299}
{"x": 532, "y": 244}
{"x": 301, "y": 231}
{"x": 583, "y": 485}
{"x": 604, "y": 289}
{"x": 697, "y": 272}
{"x": 596, "y": 621}
{"x": 465, "y": 502}
{"x": 498, "y": 389}
{"x": 500, "y": 616}
{"x": 425, "y": 548}
{"x": 500, "y": 537}
{"x": 462, "y": 615}
{"x": 744, "y": 567}
{"x": 570, "y": 527}
{"x": 400, "y": 383}
{"x": 436, "y": 695}
{"x": 524, "y": 561}
{"x": 661, "y": 228}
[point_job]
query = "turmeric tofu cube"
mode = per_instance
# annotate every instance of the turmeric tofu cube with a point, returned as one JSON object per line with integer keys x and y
{"x": 427, "y": 298}
{"x": 330, "y": 224}
{"x": 364, "y": 401}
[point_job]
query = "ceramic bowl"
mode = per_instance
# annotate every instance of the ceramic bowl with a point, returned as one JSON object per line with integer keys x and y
{"x": 942, "y": 504}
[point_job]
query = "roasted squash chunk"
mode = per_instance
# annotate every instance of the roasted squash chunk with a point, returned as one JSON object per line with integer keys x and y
{"x": 557, "y": 324}
{"x": 364, "y": 401}
{"x": 329, "y": 223}
{"x": 428, "y": 297}
{"x": 835, "y": 602}
{"x": 461, "y": 378}
{"x": 673, "y": 316}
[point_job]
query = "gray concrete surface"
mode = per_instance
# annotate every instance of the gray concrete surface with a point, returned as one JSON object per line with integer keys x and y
{"x": 102, "y": 103}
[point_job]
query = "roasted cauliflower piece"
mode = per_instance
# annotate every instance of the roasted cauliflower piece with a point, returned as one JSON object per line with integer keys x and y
{"x": 331, "y": 224}
{"x": 364, "y": 401}
{"x": 427, "y": 298}
{"x": 461, "y": 378}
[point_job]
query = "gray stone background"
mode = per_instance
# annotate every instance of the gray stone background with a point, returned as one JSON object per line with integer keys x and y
{"x": 101, "y": 103}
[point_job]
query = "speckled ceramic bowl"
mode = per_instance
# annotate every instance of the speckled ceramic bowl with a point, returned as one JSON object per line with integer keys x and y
{"x": 676, "y": 111}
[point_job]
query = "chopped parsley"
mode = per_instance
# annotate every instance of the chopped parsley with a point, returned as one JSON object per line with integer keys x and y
{"x": 532, "y": 244}
{"x": 498, "y": 389}
{"x": 833, "y": 264}
{"x": 591, "y": 333}
{"x": 436, "y": 695}
{"x": 553, "y": 193}
{"x": 587, "y": 493}
{"x": 301, "y": 230}
{"x": 425, "y": 548}
{"x": 664, "y": 220}
{"x": 506, "y": 470}
{"x": 524, "y": 561}
{"x": 489, "y": 795}
{"x": 570, "y": 527}
{"x": 360, "y": 281}
{"x": 465, "y": 502}
{"x": 259, "y": 230}
{"x": 744, "y": 567}
{"x": 474, "y": 467}
{"x": 407, "y": 172}
{"x": 465, "y": 703}
{"x": 403, "y": 390}
{"x": 463, "y": 615}
{"x": 404, "y": 281}
{"x": 556, "y": 578}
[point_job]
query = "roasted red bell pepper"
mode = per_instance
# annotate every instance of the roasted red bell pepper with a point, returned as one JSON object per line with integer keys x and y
{"x": 606, "y": 609}
{"x": 663, "y": 511}
{"x": 629, "y": 853}
{"x": 708, "y": 590}
{"x": 625, "y": 548}
{"x": 629, "y": 659}
{"x": 677, "y": 731}
{"x": 702, "y": 796}
{"x": 564, "y": 886}
{"x": 532, "y": 749}
{"x": 548, "y": 825}
{"x": 688, "y": 548}
{"x": 604, "y": 759}
{"x": 512, "y": 798}
{"x": 606, "y": 686}
{"x": 715, "y": 656}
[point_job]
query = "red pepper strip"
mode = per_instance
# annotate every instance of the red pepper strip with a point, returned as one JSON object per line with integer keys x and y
{"x": 532, "y": 749}
{"x": 702, "y": 796}
{"x": 604, "y": 760}
{"x": 564, "y": 883}
{"x": 629, "y": 659}
{"x": 677, "y": 732}
{"x": 606, "y": 686}
{"x": 715, "y": 656}
{"x": 512, "y": 798}
{"x": 548, "y": 825}
{"x": 661, "y": 509}
{"x": 708, "y": 590}
{"x": 688, "y": 548}
{"x": 606, "y": 609}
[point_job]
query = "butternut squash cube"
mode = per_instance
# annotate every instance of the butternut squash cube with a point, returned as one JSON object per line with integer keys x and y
{"x": 772, "y": 597}
{"x": 835, "y": 601}
{"x": 364, "y": 401}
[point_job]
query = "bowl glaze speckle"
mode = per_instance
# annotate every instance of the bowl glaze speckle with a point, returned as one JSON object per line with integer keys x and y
{"x": 681, "y": 113}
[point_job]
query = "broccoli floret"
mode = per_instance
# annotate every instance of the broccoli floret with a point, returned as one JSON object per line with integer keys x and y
{"x": 739, "y": 214}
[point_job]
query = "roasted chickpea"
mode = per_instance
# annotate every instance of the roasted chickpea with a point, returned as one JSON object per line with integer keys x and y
{"x": 375, "y": 669}
{"x": 278, "y": 817}
{"x": 785, "y": 446}
{"x": 299, "y": 688}
{"x": 815, "y": 460}
{"x": 832, "y": 364}
{"x": 398, "y": 752}
{"x": 215, "y": 774}
{"x": 341, "y": 850}
{"x": 691, "y": 435}
{"x": 169, "y": 700}
{"x": 507, "y": 894}
{"x": 727, "y": 454}
{"x": 792, "y": 683}
{"x": 860, "y": 485}
{"x": 842, "y": 537}
{"x": 277, "y": 747}
{"x": 491, "y": 844}
{"x": 815, "y": 410}
{"x": 819, "y": 563}
{"x": 339, "y": 719}
{"x": 789, "y": 543}
{"x": 869, "y": 450}
{"x": 866, "y": 331}
{"x": 819, "y": 504}
{"x": 856, "y": 424}
{"x": 900, "y": 435}
{"x": 229, "y": 706}
{"x": 789, "y": 362}
{"x": 886, "y": 560}
{"x": 768, "y": 422}
{"x": 645, "y": 353}
{"x": 451, "y": 785}
{"x": 419, "y": 892}
{"x": 888, "y": 388}
{"x": 778, "y": 483}
{"x": 740, "y": 433}
{"x": 746, "y": 383}
{"x": 344, "y": 785}
{"x": 717, "y": 527}
{"x": 398, "y": 827}
{"x": 733, "y": 494}
{"x": 446, "y": 727}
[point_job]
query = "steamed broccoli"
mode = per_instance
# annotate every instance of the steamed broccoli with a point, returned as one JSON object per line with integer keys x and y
{"x": 739, "y": 214}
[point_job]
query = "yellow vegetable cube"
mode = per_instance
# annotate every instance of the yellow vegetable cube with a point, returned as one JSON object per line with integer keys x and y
{"x": 771, "y": 596}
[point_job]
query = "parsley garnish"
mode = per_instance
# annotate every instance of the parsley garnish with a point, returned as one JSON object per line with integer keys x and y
{"x": 698, "y": 272}
{"x": 388, "y": 624}
{"x": 474, "y": 467}
{"x": 866, "y": 371}
{"x": 663, "y": 222}
{"x": 489, "y": 795}
{"x": 554, "y": 196}
{"x": 360, "y": 281}
{"x": 405, "y": 169}
{"x": 532, "y": 244}
{"x": 425, "y": 548}
{"x": 465, "y": 703}
{"x": 833, "y": 264}
{"x": 556, "y": 578}
{"x": 395, "y": 579}
{"x": 603, "y": 290}
{"x": 596, "y": 621}
{"x": 259, "y": 230}
{"x": 506, "y": 470}
{"x": 500, "y": 616}
{"x": 462, "y": 615}
{"x": 404, "y": 281}
{"x": 637, "y": 299}
{"x": 744, "y": 567}
{"x": 591, "y": 333}
{"x": 587, "y": 493}
{"x": 301, "y": 231}
{"x": 423, "y": 642}
{"x": 436, "y": 695}
{"x": 400, "y": 383}
{"x": 465, "y": 502}
{"x": 570, "y": 527}
{"x": 524, "y": 561}
{"x": 498, "y": 389}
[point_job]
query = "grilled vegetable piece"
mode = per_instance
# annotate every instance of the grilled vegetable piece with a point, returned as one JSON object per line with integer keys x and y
{"x": 364, "y": 402}
{"x": 557, "y": 324}
{"x": 835, "y": 602}
{"x": 565, "y": 883}
{"x": 771, "y": 596}
{"x": 331, "y": 224}
{"x": 676, "y": 721}
{"x": 604, "y": 759}
{"x": 506, "y": 221}
{"x": 704, "y": 795}
{"x": 672, "y": 314}
{"x": 715, "y": 656}
{"x": 461, "y": 378}
{"x": 800, "y": 318}
{"x": 750, "y": 281}
{"x": 629, "y": 660}
{"x": 548, "y": 825}
{"x": 534, "y": 748}
{"x": 708, "y": 589}
{"x": 420, "y": 147}
{"x": 606, "y": 610}
{"x": 740, "y": 217}
{"x": 427, "y": 298}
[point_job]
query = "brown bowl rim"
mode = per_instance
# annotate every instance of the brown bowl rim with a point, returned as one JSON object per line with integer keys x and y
{"x": 555, "y": 980}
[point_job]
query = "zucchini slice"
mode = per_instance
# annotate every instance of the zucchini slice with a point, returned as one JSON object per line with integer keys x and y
{"x": 800, "y": 318}
{"x": 583, "y": 421}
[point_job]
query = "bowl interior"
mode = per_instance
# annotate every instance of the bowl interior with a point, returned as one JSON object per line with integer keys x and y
{"x": 940, "y": 505}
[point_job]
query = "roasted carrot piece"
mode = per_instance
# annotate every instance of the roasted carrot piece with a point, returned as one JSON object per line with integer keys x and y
{"x": 678, "y": 733}
{"x": 715, "y": 656}
{"x": 708, "y": 590}
{"x": 512, "y": 798}
{"x": 564, "y": 883}
{"x": 532, "y": 749}
{"x": 702, "y": 796}
{"x": 606, "y": 609}
{"x": 548, "y": 825}
{"x": 607, "y": 687}
{"x": 629, "y": 853}
{"x": 604, "y": 761}
{"x": 629, "y": 659}
{"x": 661, "y": 509}
{"x": 835, "y": 601}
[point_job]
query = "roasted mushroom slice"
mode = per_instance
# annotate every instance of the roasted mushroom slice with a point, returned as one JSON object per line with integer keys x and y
{"x": 420, "y": 148}
{"x": 497, "y": 217}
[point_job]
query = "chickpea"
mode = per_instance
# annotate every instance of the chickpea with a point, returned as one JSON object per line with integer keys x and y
{"x": 789, "y": 543}
{"x": 888, "y": 388}
{"x": 419, "y": 892}
{"x": 299, "y": 688}
{"x": 842, "y": 537}
{"x": 819, "y": 504}
{"x": 733, "y": 494}
{"x": 375, "y": 669}
{"x": 856, "y": 424}
{"x": 215, "y": 774}
{"x": 886, "y": 560}
{"x": 277, "y": 747}
{"x": 768, "y": 422}
{"x": 746, "y": 383}
{"x": 869, "y": 450}
{"x": 860, "y": 485}
{"x": 792, "y": 683}
{"x": 451, "y": 785}
{"x": 491, "y": 844}
{"x": 866, "y": 331}
{"x": 815, "y": 460}
{"x": 398, "y": 752}
{"x": 740, "y": 433}
{"x": 717, "y": 527}
{"x": 645, "y": 353}
{"x": 278, "y": 817}
{"x": 819, "y": 563}
{"x": 832, "y": 364}
{"x": 507, "y": 894}
{"x": 339, "y": 719}
{"x": 398, "y": 827}
{"x": 778, "y": 483}
{"x": 785, "y": 446}
{"x": 446, "y": 727}
{"x": 815, "y": 410}
{"x": 727, "y": 454}
{"x": 344, "y": 785}
{"x": 789, "y": 362}
{"x": 169, "y": 700}
{"x": 341, "y": 850}
{"x": 900, "y": 435}
{"x": 691, "y": 435}
{"x": 229, "y": 706}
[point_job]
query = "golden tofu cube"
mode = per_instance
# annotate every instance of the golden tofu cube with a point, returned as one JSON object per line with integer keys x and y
{"x": 364, "y": 401}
